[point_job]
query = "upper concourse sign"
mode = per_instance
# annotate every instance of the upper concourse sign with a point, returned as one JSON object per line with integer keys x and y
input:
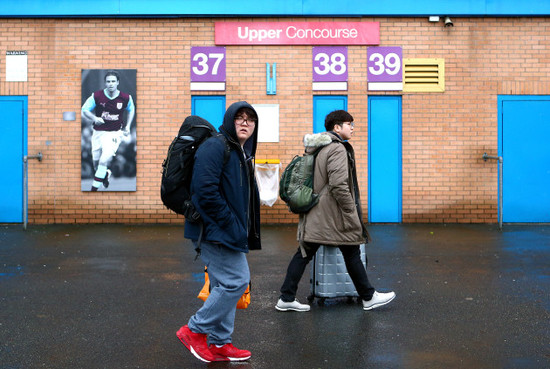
{"x": 297, "y": 33}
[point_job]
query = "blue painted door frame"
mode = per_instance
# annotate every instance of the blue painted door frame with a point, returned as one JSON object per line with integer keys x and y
{"x": 385, "y": 165}
{"x": 524, "y": 129}
{"x": 211, "y": 108}
{"x": 13, "y": 147}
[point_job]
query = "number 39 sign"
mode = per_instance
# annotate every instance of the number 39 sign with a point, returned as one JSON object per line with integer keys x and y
{"x": 385, "y": 68}
{"x": 207, "y": 68}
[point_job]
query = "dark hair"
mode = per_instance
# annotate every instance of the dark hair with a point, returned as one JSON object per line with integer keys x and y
{"x": 337, "y": 117}
{"x": 249, "y": 112}
{"x": 111, "y": 73}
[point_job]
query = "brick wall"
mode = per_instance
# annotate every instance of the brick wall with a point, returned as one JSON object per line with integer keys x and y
{"x": 444, "y": 134}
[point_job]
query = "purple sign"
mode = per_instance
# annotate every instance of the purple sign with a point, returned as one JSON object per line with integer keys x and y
{"x": 330, "y": 64}
{"x": 384, "y": 64}
{"x": 207, "y": 64}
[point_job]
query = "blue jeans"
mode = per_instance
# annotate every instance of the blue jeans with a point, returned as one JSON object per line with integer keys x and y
{"x": 229, "y": 276}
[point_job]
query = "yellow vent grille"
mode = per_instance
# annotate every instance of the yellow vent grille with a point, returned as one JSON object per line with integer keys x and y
{"x": 424, "y": 75}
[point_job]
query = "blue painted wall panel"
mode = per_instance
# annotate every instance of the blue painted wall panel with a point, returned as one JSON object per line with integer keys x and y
{"x": 211, "y": 108}
{"x": 322, "y": 105}
{"x": 12, "y": 149}
{"x": 385, "y": 159}
{"x": 524, "y": 147}
{"x": 59, "y": 7}
{"x": 211, "y": 7}
{"x": 329, "y": 8}
{"x": 396, "y": 8}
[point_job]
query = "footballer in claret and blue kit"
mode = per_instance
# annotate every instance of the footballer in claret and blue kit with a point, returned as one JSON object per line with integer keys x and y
{"x": 108, "y": 130}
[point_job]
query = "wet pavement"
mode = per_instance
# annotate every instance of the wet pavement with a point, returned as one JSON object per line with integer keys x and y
{"x": 113, "y": 296}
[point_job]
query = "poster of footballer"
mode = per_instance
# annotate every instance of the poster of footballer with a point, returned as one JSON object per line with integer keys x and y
{"x": 108, "y": 130}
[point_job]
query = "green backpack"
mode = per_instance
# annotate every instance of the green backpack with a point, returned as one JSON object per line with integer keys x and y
{"x": 296, "y": 185}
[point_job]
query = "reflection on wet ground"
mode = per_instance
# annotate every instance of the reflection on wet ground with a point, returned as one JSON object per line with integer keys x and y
{"x": 113, "y": 296}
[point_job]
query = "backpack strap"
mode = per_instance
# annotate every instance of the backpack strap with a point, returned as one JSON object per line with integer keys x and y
{"x": 198, "y": 246}
{"x": 227, "y": 150}
{"x": 314, "y": 154}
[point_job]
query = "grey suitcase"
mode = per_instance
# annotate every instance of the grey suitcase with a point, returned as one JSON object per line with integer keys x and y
{"x": 329, "y": 277}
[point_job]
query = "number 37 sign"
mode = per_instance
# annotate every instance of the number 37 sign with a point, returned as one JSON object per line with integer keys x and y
{"x": 208, "y": 68}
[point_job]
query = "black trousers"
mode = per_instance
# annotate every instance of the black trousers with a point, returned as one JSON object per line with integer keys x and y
{"x": 354, "y": 265}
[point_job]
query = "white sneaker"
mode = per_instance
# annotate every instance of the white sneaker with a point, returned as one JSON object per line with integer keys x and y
{"x": 378, "y": 299}
{"x": 294, "y": 306}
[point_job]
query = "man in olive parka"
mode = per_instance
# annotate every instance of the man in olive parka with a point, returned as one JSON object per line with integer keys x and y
{"x": 337, "y": 219}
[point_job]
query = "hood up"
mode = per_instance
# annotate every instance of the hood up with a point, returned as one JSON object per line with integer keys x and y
{"x": 228, "y": 126}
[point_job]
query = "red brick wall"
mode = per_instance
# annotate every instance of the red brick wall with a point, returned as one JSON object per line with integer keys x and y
{"x": 444, "y": 134}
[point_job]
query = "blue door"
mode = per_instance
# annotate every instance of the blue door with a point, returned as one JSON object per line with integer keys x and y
{"x": 322, "y": 105}
{"x": 523, "y": 144}
{"x": 211, "y": 108}
{"x": 13, "y": 146}
{"x": 385, "y": 159}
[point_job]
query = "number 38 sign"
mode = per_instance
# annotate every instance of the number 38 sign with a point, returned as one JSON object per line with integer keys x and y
{"x": 385, "y": 68}
{"x": 330, "y": 67}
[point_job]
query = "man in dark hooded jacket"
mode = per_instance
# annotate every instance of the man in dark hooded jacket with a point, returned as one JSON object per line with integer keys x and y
{"x": 226, "y": 196}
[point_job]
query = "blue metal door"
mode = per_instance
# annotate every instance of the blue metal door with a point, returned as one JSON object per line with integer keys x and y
{"x": 13, "y": 146}
{"x": 385, "y": 159}
{"x": 322, "y": 105}
{"x": 211, "y": 108}
{"x": 524, "y": 133}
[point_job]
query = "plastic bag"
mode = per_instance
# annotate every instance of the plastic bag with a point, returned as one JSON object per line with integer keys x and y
{"x": 267, "y": 177}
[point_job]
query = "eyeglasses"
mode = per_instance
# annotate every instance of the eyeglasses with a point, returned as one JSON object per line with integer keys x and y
{"x": 241, "y": 120}
{"x": 350, "y": 123}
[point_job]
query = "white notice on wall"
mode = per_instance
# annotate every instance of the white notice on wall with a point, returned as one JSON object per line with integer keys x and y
{"x": 16, "y": 66}
{"x": 268, "y": 116}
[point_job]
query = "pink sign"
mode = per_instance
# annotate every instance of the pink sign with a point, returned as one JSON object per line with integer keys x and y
{"x": 297, "y": 33}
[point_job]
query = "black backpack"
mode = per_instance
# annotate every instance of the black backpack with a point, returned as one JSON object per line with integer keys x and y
{"x": 177, "y": 168}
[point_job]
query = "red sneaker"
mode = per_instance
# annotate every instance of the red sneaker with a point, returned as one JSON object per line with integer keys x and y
{"x": 196, "y": 343}
{"x": 228, "y": 352}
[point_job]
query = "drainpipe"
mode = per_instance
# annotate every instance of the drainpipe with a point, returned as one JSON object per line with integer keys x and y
{"x": 26, "y": 185}
{"x": 499, "y": 159}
